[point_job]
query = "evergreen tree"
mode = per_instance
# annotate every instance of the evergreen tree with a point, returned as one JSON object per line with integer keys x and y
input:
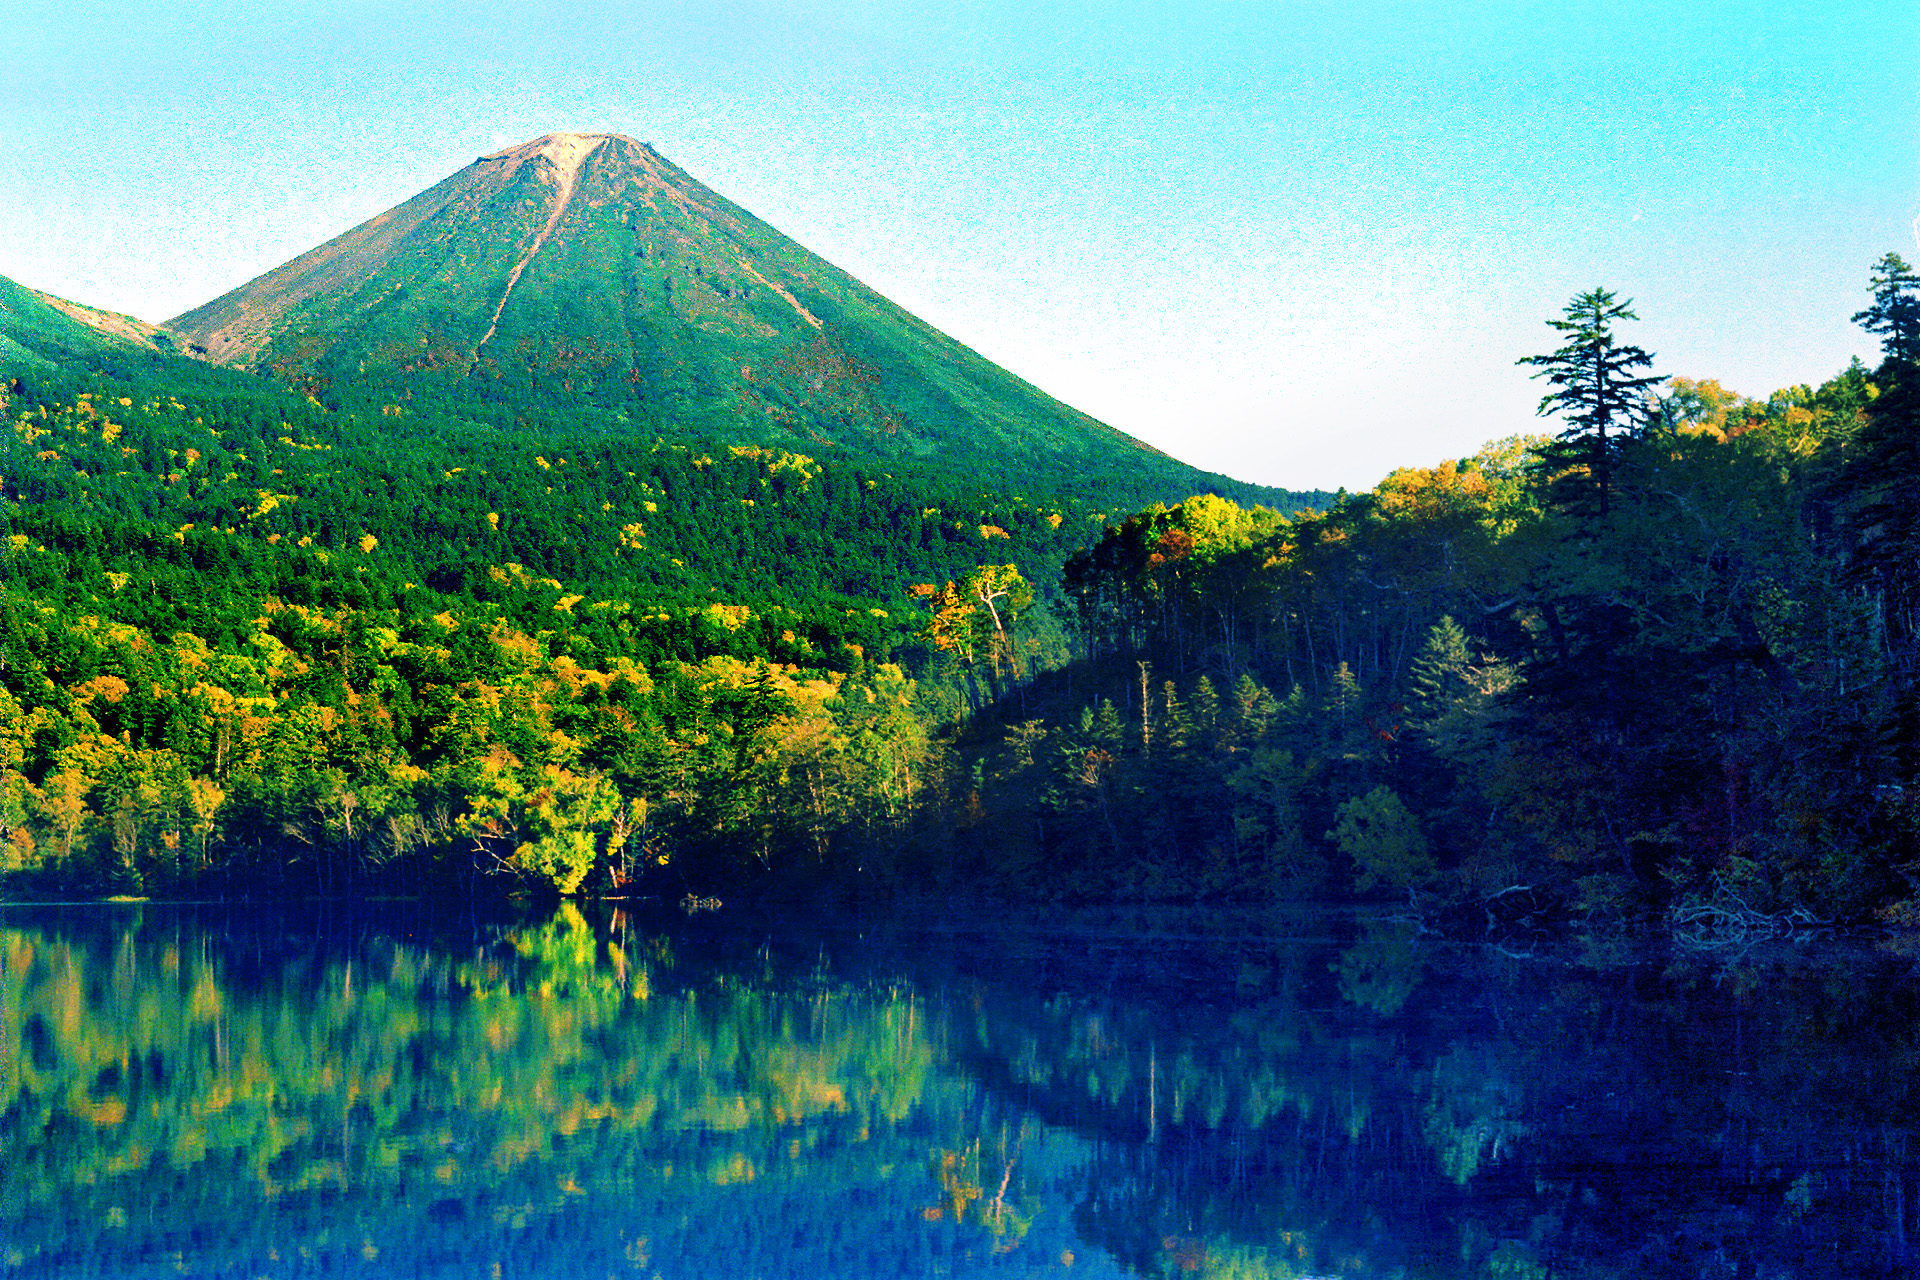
{"x": 1880, "y": 477}
{"x": 1879, "y": 481}
{"x": 1596, "y": 389}
{"x": 1895, "y": 313}
{"x": 1206, "y": 711}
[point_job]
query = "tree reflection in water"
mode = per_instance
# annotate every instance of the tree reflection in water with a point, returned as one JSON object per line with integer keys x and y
{"x": 184, "y": 1092}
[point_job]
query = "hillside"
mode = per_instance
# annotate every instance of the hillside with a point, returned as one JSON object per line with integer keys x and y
{"x": 564, "y": 495}
{"x": 39, "y": 332}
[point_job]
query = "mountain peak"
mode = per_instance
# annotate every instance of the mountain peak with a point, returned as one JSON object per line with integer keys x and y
{"x": 563, "y": 149}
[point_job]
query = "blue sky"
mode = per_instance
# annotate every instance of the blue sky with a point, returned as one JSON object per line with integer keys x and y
{"x": 1299, "y": 242}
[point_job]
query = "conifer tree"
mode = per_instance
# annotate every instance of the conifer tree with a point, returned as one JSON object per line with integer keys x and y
{"x": 1206, "y": 710}
{"x": 1253, "y": 711}
{"x": 1895, "y": 313}
{"x": 1176, "y": 724}
{"x": 1880, "y": 478}
{"x": 1597, "y": 389}
{"x": 1879, "y": 482}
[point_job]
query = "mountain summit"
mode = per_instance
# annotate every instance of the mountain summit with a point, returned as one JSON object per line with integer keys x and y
{"x": 586, "y": 272}
{"x": 488, "y": 205}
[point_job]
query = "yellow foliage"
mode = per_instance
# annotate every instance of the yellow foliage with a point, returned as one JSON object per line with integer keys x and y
{"x": 1429, "y": 492}
{"x": 517, "y": 644}
{"x": 101, "y": 1114}
{"x": 107, "y": 688}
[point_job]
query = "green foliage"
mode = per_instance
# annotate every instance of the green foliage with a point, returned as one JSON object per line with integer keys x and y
{"x": 1895, "y": 313}
{"x": 1489, "y": 708}
{"x": 244, "y": 645}
{"x": 1384, "y": 839}
{"x": 1874, "y": 487}
{"x": 1455, "y": 701}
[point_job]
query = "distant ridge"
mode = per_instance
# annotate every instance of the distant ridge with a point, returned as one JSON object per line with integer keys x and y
{"x": 40, "y": 331}
{"x": 584, "y": 273}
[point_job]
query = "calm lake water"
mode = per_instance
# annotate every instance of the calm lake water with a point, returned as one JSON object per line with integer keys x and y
{"x": 261, "y": 1092}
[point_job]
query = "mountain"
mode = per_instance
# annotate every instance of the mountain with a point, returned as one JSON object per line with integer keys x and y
{"x": 587, "y": 274}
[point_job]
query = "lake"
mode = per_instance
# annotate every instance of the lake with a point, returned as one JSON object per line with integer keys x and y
{"x": 256, "y": 1091}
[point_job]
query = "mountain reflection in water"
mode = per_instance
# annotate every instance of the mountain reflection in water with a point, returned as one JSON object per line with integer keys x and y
{"x": 191, "y": 1091}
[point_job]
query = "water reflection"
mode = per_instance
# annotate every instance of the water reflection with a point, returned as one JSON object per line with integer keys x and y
{"x": 275, "y": 1095}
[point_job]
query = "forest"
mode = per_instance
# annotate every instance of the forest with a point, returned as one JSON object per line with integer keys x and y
{"x": 1659, "y": 663}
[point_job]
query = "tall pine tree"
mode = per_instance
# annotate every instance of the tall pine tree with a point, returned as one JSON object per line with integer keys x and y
{"x": 1880, "y": 488}
{"x": 1598, "y": 389}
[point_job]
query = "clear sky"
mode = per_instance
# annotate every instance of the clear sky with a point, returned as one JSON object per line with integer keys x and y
{"x": 1301, "y": 242}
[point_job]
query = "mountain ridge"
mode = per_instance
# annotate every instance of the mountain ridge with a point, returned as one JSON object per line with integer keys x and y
{"x": 42, "y": 333}
{"x": 233, "y": 326}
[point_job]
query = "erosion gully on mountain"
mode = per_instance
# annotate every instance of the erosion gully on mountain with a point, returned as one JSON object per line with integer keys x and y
{"x": 565, "y": 152}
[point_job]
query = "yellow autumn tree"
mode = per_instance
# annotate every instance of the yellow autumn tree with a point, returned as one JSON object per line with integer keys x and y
{"x": 973, "y": 619}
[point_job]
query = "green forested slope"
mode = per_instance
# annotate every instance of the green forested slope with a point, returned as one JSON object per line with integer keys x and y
{"x": 1666, "y": 662}
{"x": 252, "y": 640}
{"x": 41, "y": 333}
